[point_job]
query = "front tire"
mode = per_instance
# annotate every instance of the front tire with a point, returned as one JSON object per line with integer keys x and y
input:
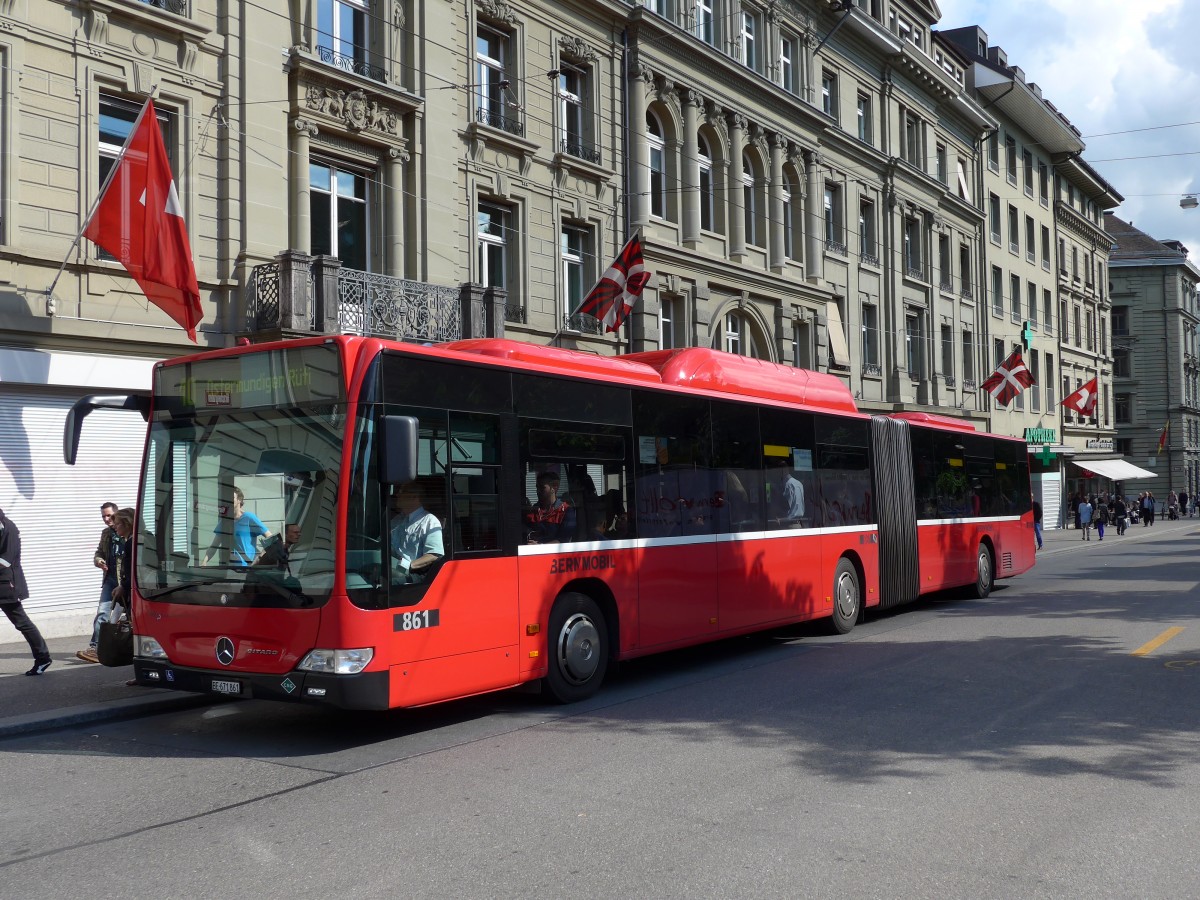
{"x": 985, "y": 573}
{"x": 577, "y": 642}
{"x": 847, "y": 597}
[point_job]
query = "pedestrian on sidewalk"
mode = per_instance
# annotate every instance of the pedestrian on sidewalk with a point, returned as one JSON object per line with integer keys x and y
{"x": 1037, "y": 523}
{"x": 1122, "y": 514}
{"x": 1101, "y": 516}
{"x": 14, "y": 589}
{"x": 1085, "y": 519}
{"x": 103, "y": 560}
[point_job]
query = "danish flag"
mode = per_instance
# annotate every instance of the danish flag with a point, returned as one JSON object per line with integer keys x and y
{"x": 1083, "y": 401}
{"x": 1010, "y": 378}
{"x": 619, "y": 288}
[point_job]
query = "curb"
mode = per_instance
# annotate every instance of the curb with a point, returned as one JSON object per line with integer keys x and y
{"x": 99, "y": 712}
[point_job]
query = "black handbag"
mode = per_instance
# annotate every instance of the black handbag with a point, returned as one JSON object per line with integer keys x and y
{"x": 115, "y": 647}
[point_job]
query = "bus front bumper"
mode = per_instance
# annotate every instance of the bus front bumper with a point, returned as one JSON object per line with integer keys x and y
{"x": 367, "y": 690}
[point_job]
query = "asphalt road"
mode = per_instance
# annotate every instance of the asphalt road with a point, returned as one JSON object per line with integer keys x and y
{"x": 1030, "y": 745}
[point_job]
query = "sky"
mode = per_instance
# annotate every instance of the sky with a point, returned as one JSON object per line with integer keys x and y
{"x": 1110, "y": 66}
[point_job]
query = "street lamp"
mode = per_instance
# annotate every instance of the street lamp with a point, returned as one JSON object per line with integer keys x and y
{"x": 1188, "y": 201}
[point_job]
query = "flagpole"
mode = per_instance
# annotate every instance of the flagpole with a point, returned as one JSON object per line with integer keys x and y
{"x": 96, "y": 200}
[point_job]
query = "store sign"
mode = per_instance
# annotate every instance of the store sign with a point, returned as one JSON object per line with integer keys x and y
{"x": 1099, "y": 443}
{"x": 1040, "y": 436}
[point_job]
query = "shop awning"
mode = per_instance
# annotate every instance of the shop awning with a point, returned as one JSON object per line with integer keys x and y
{"x": 1116, "y": 469}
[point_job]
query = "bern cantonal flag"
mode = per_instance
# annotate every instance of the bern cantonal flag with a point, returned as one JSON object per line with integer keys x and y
{"x": 139, "y": 221}
{"x": 1083, "y": 400}
{"x": 1010, "y": 378}
{"x": 618, "y": 290}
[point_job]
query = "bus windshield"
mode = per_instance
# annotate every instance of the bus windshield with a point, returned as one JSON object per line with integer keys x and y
{"x": 241, "y": 477}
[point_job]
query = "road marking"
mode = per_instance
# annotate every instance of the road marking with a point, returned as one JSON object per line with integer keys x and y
{"x": 1151, "y": 646}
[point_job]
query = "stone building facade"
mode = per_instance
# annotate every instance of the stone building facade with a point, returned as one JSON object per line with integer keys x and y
{"x": 1156, "y": 383}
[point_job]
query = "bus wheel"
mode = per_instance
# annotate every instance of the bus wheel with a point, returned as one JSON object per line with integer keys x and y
{"x": 847, "y": 598}
{"x": 985, "y": 573}
{"x": 578, "y": 645}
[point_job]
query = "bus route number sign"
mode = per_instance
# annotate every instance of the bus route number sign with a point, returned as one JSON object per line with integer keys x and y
{"x": 416, "y": 621}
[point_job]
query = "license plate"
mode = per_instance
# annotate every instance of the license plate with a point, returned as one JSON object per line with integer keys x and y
{"x": 227, "y": 687}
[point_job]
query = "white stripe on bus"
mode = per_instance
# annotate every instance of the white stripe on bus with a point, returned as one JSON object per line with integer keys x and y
{"x": 686, "y": 540}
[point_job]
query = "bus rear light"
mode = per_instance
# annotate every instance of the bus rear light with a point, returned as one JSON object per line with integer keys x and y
{"x": 149, "y": 648}
{"x": 337, "y": 662}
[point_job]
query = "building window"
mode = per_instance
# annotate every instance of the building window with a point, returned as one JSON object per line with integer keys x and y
{"x": 117, "y": 117}
{"x": 947, "y": 351}
{"x": 1120, "y": 321}
{"x": 1027, "y": 162}
{"x": 1046, "y": 248}
{"x": 732, "y": 334}
{"x": 1019, "y": 400}
{"x": 493, "y": 229}
{"x": 1035, "y": 400}
{"x": 994, "y": 216}
{"x": 912, "y": 341}
{"x": 658, "y": 166}
{"x": 946, "y": 274}
{"x": 1075, "y": 320}
{"x": 911, "y": 147}
{"x": 789, "y": 52}
{"x": 750, "y": 203}
{"x": 1122, "y": 366}
{"x": 864, "y": 118}
{"x": 867, "y": 245}
{"x": 1062, "y": 255}
{"x": 338, "y": 218}
{"x": 870, "y": 334}
{"x": 1010, "y": 156}
{"x": 1030, "y": 239}
{"x": 968, "y": 356}
{"x": 1031, "y": 293}
{"x": 997, "y": 291}
{"x": 705, "y": 27}
{"x": 573, "y": 94}
{"x": 1014, "y": 296}
{"x": 941, "y": 163}
{"x": 964, "y": 271}
{"x": 793, "y": 234}
{"x": 1043, "y": 184}
{"x": 1049, "y": 381}
{"x": 993, "y": 151}
{"x": 573, "y": 254}
{"x": 833, "y": 214}
{"x": 1122, "y": 409}
{"x": 707, "y": 195}
{"x": 1091, "y": 330}
{"x": 670, "y": 322}
{"x": 342, "y": 34}
{"x": 750, "y": 54}
{"x": 829, "y": 93}
{"x": 1047, "y": 309}
{"x": 1014, "y": 232}
{"x": 492, "y": 51}
{"x": 912, "y": 247}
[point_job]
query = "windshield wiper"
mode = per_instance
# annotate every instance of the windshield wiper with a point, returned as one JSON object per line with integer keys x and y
{"x": 204, "y": 582}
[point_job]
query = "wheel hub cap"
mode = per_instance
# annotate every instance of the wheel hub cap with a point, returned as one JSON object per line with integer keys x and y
{"x": 577, "y": 644}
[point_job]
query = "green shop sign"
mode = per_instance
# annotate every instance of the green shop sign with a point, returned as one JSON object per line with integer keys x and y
{"x": 1039, "y": 436}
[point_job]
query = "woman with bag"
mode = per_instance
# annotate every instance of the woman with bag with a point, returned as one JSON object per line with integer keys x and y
{"x": 116, "y": 635}
{"x": 13, "y": 589}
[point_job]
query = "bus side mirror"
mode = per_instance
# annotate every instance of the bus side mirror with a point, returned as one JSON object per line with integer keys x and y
{"x": 75, "y": 416}
{"x": 398, "y": 461}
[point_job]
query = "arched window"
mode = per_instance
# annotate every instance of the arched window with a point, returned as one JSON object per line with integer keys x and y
{"x": 658, "y": 166}
{"x": 707, "y": 194}
{"x": 748, "y": 201}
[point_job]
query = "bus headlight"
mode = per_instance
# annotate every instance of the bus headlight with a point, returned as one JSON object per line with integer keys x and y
{"x": 337, "y": 662}
{"x": 149, "y": 648}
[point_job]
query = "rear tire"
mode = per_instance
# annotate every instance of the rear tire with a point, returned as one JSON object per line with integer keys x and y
{"x": 577, "y": 643}
{"x": 847, "y": 597}
{"x": 985, "y": 573}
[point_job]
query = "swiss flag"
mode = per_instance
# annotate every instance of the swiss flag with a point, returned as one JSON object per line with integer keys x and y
{"x": 140, "y": 222}
{"x": 618, "y": 290}
{"x": 1083, "y": 401}
{"x": 1010, "y": 378}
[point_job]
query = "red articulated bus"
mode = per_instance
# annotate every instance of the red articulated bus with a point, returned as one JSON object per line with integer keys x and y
{"x": 370, "y": 524}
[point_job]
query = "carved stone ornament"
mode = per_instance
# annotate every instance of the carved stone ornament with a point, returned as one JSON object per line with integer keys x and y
{"x": 353, "y": 108}
{"x": 498, "y": 11}
{"x": 577, "y": 49}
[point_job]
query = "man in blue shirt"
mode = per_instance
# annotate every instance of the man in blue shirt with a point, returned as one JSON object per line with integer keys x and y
{"x": 247, "y": 529}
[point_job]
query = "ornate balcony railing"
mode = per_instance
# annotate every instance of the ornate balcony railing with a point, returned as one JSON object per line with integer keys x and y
{"x": 514, "y": 312}
{"x": 966, "y": 293}
{"x": 869, "y": 258}
{"x": 836, "y": 247}
{"x": 382, "y": 306}
{"x": 949, "y": 379}
{"x": 914, "y": 271}
{"x": 969, "y": 384}
{"x": 946, "y": 287}
{"x": 178, "y": 7}
{"x": 1014, "y": 316}
{"x": 350, "y": 64}
{"x": 584, "y": 324}
{"x": 499, "y": 120}
{"x": 872, "y": 369}
{"x": 263, "y": 289}
{"x": 582, "y": 151}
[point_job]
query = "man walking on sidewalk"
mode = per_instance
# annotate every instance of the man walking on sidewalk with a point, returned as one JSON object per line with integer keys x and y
{"x": 13, "y": 590}
{"x": 1085, "y": 519}
{"x": 106, "y": 563}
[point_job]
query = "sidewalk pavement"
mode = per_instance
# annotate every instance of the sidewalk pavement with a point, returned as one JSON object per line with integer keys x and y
{"x": 73, "y": 692}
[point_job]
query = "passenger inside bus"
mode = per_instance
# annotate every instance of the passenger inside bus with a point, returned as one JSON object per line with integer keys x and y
{"x": 550, "y": 520}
